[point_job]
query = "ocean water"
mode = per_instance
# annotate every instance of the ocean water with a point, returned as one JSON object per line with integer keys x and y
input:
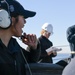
{"x": 61, "y": 56}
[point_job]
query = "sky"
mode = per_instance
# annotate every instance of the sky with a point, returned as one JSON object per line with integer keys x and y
{"x": 59, "y": 13}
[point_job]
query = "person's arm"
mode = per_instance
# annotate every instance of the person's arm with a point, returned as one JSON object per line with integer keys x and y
{"x": 32, "y": 55}
{"x": 51, "y": 53}
{"x": 33, "y": 47}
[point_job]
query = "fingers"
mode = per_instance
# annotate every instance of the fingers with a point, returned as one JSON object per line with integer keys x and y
{"x": 54, "y": 52}
{"x": 49, "y": 53}
{"x": 30, "y": 39}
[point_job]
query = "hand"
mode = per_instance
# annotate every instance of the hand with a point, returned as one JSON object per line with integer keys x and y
{"x": 49, "y": 53}
{"x": 54, "y": 52}
{"x": 30, "y": 40}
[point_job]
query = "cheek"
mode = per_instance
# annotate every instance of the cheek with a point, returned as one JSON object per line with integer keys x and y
{"x": 18, "y": 30}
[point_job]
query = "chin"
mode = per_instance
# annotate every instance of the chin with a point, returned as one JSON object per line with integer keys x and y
{"x": 19, "y": 35}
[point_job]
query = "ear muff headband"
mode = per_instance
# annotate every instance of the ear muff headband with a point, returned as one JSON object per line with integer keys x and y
{"x": 5, "y": 19}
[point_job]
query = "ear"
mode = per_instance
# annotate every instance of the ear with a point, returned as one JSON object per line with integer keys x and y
{"x": 12, "y": 21}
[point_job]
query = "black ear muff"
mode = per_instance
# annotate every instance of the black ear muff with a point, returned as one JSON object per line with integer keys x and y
{"x": 4, "y": 19}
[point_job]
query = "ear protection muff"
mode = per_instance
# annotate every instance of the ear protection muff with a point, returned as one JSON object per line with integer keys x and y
{"x": 5, "y": 19}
